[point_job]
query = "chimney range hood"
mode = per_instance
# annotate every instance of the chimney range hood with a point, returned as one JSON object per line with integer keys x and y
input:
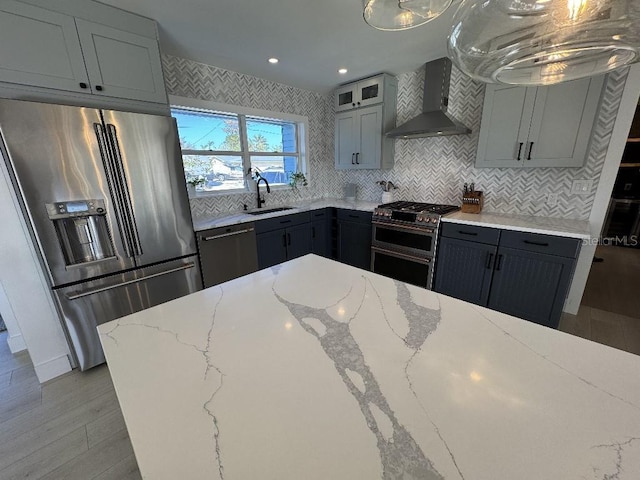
{"x": 434, "y": 120}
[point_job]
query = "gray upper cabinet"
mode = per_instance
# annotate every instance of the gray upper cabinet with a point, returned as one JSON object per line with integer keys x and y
{"x": 121, "y": 64}
{"x": 50, "y": 55}
{"x": 538, "y": 126}
{"x": 360, "y": 142}
{"x": 40, "y": 48}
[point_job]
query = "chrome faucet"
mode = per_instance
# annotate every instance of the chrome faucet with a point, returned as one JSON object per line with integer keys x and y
{"x": 261, "y": 200}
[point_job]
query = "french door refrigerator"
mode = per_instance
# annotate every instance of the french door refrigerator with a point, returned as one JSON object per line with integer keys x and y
{"x": 104, "y": 195}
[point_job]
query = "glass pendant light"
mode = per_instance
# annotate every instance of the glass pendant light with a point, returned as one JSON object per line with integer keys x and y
{"x": 541, "y": 42}
{"x": 401, "y": 14}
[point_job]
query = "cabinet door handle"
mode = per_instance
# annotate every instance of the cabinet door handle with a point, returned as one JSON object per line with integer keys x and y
{"x": 472, "y": 234}
{"x": 352, "y": 156}
{"x": 313, "y": 232}
{"x": 489, "y": 258}
{"x": 530, "y": 149}
{"x": 357, "y": 155}
{"x": 519, "y": 150}
{"x": 288, "y": 239}
{"x": 284, "y": 240}
{"x": 498, "y": 263}
{"x": 539, "y": 244}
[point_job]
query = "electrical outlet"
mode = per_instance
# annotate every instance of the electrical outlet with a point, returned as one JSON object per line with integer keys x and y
{"x": 581, "y": 187}
{"x": 552, "y": 199}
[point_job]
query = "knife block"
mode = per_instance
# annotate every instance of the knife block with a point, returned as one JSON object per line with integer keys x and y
{"x": 472, "y": 202}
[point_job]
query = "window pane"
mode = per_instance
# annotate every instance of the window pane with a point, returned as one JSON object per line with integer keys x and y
{"x": 271, "y": 136}
{"x": 207, "y": 131}
{"x": 276, "y": 170}
{"x": 219, "y": 172}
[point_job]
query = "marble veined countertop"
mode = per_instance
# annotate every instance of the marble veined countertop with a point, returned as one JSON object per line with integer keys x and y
{"x": 561, "y": 227}
{"x": 226, "y": 219}
{"x": 316, "y": 370}
{"x": 524, "y": 223}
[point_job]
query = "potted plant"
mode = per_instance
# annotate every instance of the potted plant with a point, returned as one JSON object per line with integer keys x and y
{"x": 297, "y": 178}
{"x": 193, "y": 182}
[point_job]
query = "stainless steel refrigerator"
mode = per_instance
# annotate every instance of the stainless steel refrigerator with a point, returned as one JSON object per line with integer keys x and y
{"x": 104, "y": 194}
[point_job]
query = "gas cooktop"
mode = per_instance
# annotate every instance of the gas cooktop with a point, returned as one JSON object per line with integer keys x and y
{"x": 417, "y": 207}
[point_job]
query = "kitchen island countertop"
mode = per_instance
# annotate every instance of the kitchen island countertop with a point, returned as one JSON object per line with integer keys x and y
{"x": 318, "y": 370}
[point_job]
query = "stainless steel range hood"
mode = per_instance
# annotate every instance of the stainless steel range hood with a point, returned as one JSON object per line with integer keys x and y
{"x": 434, "y": 120}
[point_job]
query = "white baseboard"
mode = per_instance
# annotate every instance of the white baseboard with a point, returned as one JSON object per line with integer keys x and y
{"x": 16, "y": 343}
{"x": 52, "y": 368}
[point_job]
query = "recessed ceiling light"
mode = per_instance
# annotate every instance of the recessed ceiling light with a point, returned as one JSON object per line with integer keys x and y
{"x": 342, "y": 71}
{"x": 273, "y": 60}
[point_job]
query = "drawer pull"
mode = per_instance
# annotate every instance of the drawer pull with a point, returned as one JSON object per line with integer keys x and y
{"x": 489, "y": 258}
{"x": 285, "y": 221}
{"x": 354, "y": 216}
{"x": 539, "y": 244}
{"x": 462, "y": 232}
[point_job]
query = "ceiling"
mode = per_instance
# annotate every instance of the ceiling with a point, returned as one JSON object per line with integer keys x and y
{"x": 312, "y": 38}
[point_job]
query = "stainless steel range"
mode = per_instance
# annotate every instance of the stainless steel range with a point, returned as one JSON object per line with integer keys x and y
{"x": 404, "y": 240}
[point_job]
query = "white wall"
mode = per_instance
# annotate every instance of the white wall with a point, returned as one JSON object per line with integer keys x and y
{"x": 27, "y": 303}
{"x": 619, "y": 135}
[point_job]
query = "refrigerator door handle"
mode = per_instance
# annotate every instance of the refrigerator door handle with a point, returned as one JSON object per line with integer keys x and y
{"x": 85, "y": 293}
{"x": 115, "y": 147}
{"x": 115, "y": 189}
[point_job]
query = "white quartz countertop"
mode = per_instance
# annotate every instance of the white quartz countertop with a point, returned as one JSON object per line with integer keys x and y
{"x": 226, "y": 219}
{"x": 317, "y": 370}
{"x": 561, "y": 227}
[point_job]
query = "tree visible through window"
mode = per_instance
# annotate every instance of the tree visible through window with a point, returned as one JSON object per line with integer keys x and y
{"x": 222, "y": 148}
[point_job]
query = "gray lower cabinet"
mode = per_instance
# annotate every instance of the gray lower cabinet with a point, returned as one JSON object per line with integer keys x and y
{"x": 354, "y": 238}
{"x": 227, "y": 253}
{"x": 522, "y": 274}
{"x": 530, "y": 285}
{"x": 283, "y": 238}
{"x": 320, "y": 238}
{"x": 464, "y": 269}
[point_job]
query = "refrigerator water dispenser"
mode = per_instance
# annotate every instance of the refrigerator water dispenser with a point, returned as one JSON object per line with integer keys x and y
{"x": 82, "y": 230}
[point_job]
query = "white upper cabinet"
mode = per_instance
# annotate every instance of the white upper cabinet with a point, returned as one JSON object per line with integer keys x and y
{"x": 538, "y": 126}
{"x": 369, "y": 91}
{"x": 40, "y": 48}
{"x": 121, "y": 64}
{"x": 360, "y": 142}
{"x": 50, "y": 55}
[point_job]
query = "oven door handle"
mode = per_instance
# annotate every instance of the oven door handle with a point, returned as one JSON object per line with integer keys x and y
{"x": 403, "y": 227}
{"x": 393, "y": 253}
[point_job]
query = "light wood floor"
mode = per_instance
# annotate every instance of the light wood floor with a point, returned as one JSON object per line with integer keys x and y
{"x": 69, "y": 428}
{"x": 610, "y": 309}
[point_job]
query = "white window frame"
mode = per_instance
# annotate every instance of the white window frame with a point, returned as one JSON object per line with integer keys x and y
{"x": 302, "y": 140}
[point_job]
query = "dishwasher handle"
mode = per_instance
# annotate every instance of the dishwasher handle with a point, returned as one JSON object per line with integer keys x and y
{"x": 230, "y": 234}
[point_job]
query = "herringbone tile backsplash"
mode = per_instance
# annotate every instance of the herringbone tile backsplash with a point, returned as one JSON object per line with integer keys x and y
{"x": 427, "y": 169}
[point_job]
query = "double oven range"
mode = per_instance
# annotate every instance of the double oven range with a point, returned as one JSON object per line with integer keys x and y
{"x": 404, "y": 240}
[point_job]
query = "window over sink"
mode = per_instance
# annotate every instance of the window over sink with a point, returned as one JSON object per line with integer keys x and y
{"x": 224, "y": 145}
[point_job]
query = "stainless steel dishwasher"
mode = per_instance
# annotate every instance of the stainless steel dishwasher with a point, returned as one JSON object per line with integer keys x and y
{"x": 227, "y": 253}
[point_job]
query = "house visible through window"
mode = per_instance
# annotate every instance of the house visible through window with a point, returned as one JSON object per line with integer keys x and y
{"x": 221, "y": 148}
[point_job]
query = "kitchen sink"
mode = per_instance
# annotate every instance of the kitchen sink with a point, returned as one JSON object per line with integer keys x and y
{"x": 269, "y": 210}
